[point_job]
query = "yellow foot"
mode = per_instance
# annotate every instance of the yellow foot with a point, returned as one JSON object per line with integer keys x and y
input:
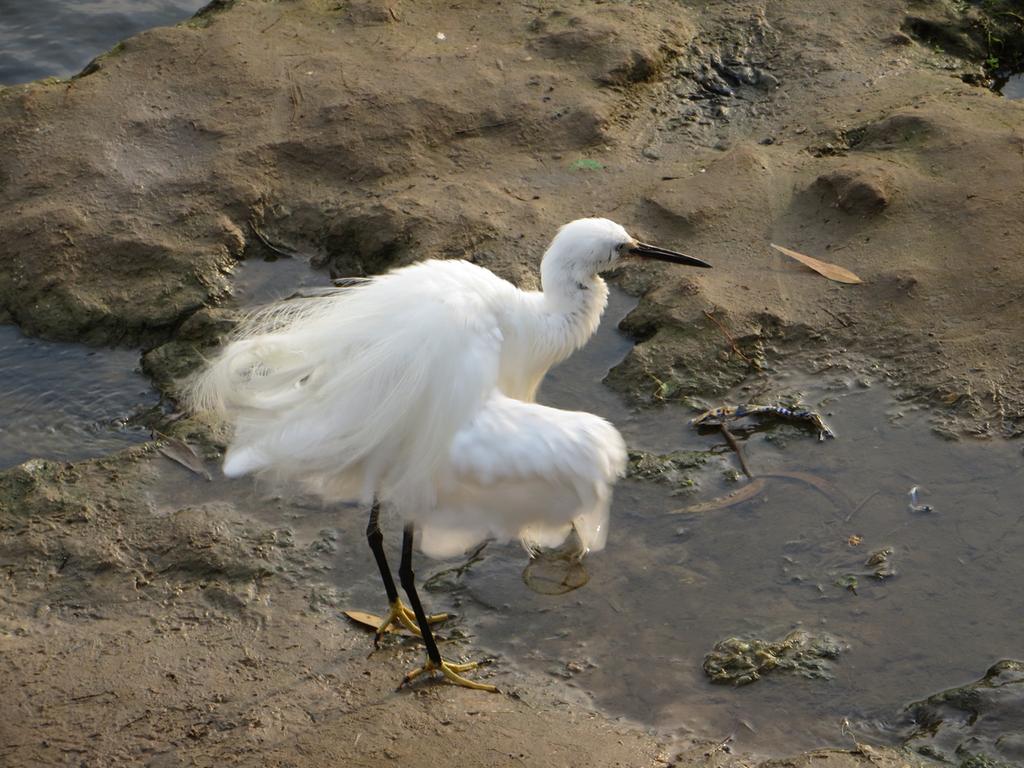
{"x": 451, "y": 673}
{"x": 399, "y": 616}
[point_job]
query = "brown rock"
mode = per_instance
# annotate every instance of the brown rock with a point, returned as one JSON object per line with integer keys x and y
{"x": 856, "y": 191}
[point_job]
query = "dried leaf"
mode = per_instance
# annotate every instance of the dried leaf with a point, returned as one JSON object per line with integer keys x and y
{"x": 366, "y": 619}
{"x": 182, "y": 453}
{"x": 746, "y": 493}
{"x": 373, "y": 621}
{"x": 831, "y": 271}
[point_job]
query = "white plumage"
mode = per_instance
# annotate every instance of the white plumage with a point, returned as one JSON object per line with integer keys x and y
{"x": 415, "y": 389}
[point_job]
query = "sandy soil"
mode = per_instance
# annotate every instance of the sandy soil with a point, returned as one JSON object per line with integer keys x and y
{"x": 366, "y": 134}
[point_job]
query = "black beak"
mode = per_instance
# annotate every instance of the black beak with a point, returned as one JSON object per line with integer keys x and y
{"x": 662, "y": 254}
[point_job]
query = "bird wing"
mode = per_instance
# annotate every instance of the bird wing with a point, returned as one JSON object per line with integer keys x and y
{"x": 527, "y": 471}
{"x": 514, "y": 440}
{"x": 360, "y": 393}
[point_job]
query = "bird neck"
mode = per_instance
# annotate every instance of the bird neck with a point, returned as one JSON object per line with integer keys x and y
{"x": 574, "y": 309}
{"x": 549, "y": 326}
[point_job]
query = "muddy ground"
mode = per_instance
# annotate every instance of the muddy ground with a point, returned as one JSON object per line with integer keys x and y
{"x": 138, "y": 631}
{"x": 368, "y": 134}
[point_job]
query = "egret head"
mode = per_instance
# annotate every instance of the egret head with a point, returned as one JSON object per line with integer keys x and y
{"x": 587, "y": 247}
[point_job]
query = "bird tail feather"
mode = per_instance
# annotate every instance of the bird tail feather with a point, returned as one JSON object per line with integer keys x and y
{"x": 329, "y": 390}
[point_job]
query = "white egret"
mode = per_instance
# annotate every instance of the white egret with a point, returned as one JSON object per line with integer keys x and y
{"x": 414, "y": 391}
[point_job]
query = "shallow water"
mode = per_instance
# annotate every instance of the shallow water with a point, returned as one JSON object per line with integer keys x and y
{"x": 261, "y": 281}
{"x": 1014, "y": 88}
{"x": 57, "y": 38}
{"x": 67, "y": 401}
{"x": 669, "y": 586}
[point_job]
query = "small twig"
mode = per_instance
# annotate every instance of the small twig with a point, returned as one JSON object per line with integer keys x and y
{"x": 295, "y": 97}
{"x": 720, "y": 746}
{"x": 731, "y": 440}
{"x": 93, "y": 695}
{"x": 841, "y": 321}
{"x": 280, "y": 16}
{"x": 263, "y": 239}
{"x": 861, "y": 506}
{"x": 143, "y": 716}
{"x": 727, "y": 335}
{"x": 472, "y": 559}
{"x": 476, "y": 128}
{"x": 508, "y": 191}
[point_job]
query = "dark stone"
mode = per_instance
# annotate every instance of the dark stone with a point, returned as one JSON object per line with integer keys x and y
{"x": 855, "y": 191}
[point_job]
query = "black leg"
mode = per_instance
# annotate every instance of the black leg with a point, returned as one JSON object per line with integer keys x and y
{"x": 398, "y": 614}
{"x": 376, "y": 539}
{"x": 408, "y": 579}
{"x": 434, "y": 661}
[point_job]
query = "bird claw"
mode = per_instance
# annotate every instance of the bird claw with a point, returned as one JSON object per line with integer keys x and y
{"x": 400, "y": 617}
{"x": 450, "y": 671}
